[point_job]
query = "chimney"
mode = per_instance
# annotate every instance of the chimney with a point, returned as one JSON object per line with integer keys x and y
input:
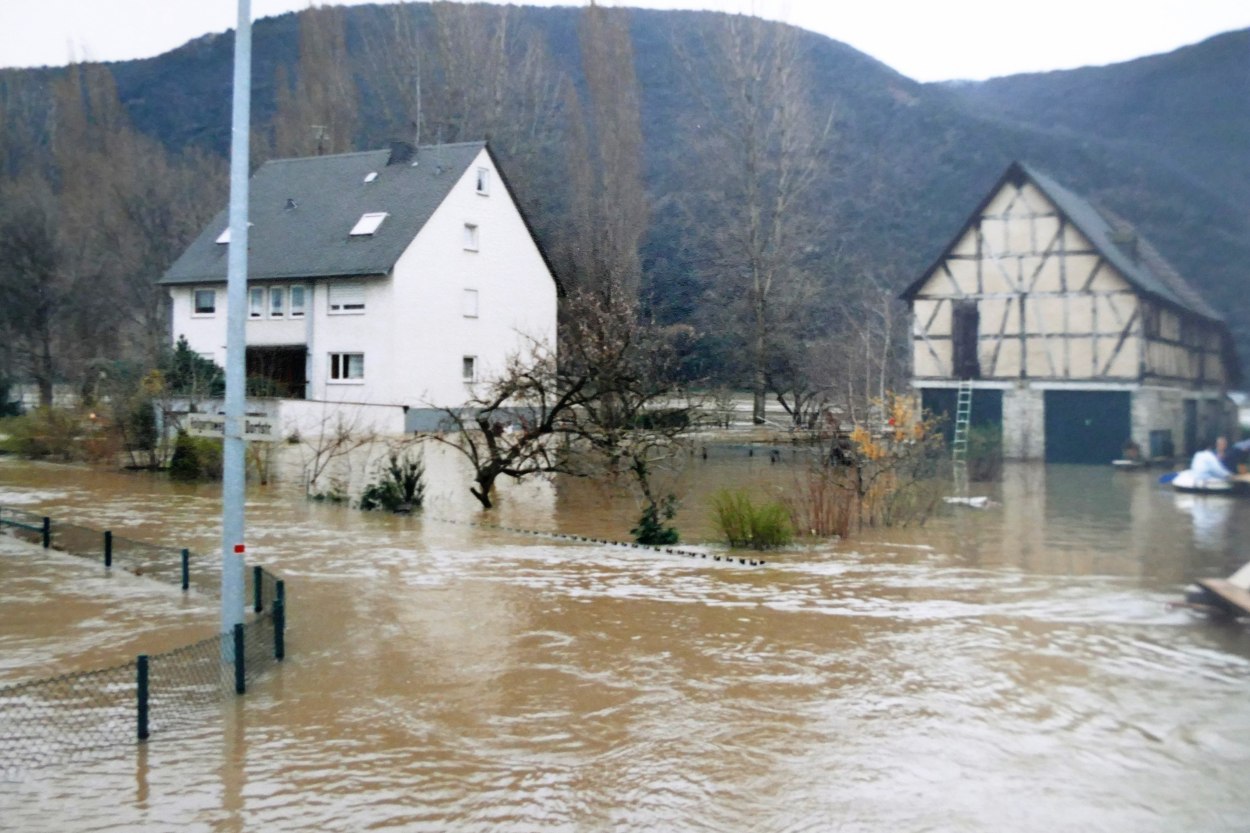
{"x": 1126, "y": 240}
{"x": 401, "y": 152}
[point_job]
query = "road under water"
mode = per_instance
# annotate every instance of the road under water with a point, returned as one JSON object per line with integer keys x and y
{"x": 1016, "y": 668}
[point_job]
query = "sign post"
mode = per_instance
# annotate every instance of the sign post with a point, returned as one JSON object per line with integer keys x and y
{"x": 232, "y": 489}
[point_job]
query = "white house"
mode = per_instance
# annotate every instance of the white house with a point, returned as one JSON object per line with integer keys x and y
{"x": 1073, "y": 332}
{"x": 393, "y": 277}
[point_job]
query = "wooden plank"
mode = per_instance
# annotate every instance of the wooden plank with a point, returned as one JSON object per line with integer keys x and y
{"x": 1230, "y": 594}
{"x": 1241, "y": 578}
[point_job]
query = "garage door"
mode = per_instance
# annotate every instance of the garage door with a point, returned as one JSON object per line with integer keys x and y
{"x": 1086, "y": 426}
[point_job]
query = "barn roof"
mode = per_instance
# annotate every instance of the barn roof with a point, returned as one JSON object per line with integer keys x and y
{"x": 1113, "y": 237}
{"x": 302, "y": 211}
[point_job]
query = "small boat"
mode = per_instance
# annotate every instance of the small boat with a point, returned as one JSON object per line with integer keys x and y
{"x": 1186, "y": 481}
{"x": 1226, "y": 597}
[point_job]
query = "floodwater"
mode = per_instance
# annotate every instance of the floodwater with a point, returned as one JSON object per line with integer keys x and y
{"x": 1016, "y": 668}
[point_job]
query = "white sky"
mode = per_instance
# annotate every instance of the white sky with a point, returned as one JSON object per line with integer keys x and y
{"x": 929, "y": 40}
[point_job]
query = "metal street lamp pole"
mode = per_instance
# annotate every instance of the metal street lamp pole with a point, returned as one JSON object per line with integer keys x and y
{"x": 232, "y": 492}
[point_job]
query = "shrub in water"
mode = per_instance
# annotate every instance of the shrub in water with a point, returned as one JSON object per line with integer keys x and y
{"x": 746, "y": 525}
{"x": 195, "y": 458}
{"x": 401, "y": 486}
{"x": 651, "y": 529}
{"x": 985, "y": 452}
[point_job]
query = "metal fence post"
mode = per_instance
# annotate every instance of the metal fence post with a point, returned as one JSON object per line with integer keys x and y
{"x": 108, "y": 548}
{"x": 240, "y": 675}
{"x": 279, "y": 621}
{"x": 186, "y": 569}
{"x": 47, "y": 532}
{"x": 258, "y": 590}
{"x": 141, "y": 680}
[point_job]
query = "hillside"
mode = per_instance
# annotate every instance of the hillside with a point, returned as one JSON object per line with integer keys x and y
{"x": 1187, "y": 110}
{"x": 1160, "y": 140}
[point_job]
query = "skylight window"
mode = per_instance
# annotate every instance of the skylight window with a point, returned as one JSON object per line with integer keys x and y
{"x": 368, "y": 224}
{"x": 372, "y": 175}
{"x": 224, "y": 237}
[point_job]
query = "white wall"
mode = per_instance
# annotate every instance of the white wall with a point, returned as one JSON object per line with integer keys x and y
{"x": 413, "y": 332}
{"x": 516, "y": 295}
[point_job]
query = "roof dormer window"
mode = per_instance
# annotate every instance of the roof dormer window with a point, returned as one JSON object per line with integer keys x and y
{"x": 368, "y": 224}
{"x": 224, "y": 237}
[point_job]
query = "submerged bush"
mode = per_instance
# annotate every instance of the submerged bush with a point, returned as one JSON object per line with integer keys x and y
{"x": 195, "y": 458}
{"x": 744, "y": 524}
{"x": 400, "y": 487}
{"x": 46, "y": 432}
{"x": 985, "y": 452}
{"x": 651, "y": 529}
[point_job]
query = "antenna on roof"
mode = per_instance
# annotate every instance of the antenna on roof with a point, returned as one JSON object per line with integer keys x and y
{"x": 320, "y": 132}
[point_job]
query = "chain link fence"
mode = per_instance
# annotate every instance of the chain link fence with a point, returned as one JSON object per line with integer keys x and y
{"x": 64, "y": 718}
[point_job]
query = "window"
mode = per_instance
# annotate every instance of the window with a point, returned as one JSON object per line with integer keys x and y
{"x": 347, "y": 299}
{"x": 469, "y": 303}
{"x": 468, "y": 368}
{"x": 347, "y": 367}
{"x": 224, "y": 237}
{"x": 204, "y": 302}
{"x": 277, "y": 302}
{"x": 470, "y": 237}
{"x": 368, "y": 224}
{"x": 965, "y": 326}
{"x": 256, "y": 302}
{"x": 483, "y": 181}
{"x": 297, "y": 302}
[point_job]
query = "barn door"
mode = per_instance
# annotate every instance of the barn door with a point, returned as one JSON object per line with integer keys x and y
{"x": 1086, "y": 426}
{"x": 1191, "y": 426}
{"x": 965, "y": 329}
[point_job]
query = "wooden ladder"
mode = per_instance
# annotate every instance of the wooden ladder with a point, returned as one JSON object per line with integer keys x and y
{"x": 959, "y": 446}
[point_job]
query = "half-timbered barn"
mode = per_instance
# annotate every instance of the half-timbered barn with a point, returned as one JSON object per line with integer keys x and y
{"x": 1071, "y": 330}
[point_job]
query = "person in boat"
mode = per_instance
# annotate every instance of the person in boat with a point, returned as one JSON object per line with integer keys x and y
{"x": 1208, "y": 463}
{"x": 1238, "y": 456}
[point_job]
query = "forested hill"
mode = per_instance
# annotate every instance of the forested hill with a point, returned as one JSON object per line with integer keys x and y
{"x": 893, "y": 170}
{"x": 1188, "y": 110}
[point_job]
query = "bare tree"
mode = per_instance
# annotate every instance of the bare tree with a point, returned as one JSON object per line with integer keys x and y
{"x": 33, "y": 280}
{"x": 765, "y": 151}
{"x": 318, "y": 112}
{"x": 609, "y": 202}
{"x": 446, "y": 72}
{"x": 338, "y": 437}
{"x": 631, "y": 416}
{"x": 608, "y": 405}
{"x": 509, "y": 428}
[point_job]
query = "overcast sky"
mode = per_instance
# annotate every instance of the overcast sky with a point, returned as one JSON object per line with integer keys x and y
{"x": 929, "y": 40}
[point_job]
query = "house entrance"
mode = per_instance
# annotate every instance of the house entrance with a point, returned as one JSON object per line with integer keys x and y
{"x": 1086, "y": 426}
{"x": 277, "y": 371}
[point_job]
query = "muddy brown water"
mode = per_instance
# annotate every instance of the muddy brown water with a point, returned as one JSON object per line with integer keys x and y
{"x": 1016, "y": 668}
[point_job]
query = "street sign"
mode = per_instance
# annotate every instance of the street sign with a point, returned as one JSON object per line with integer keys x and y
{"x": 255, "y": 428}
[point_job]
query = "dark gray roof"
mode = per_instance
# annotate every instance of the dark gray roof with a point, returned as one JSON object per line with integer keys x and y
{"x": 1138, "y": 261}
{"x": 302, "y": 210}
{"x": 1120, "y": 244}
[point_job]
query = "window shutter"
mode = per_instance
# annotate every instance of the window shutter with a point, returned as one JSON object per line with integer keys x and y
{"x": 347, "y": 297}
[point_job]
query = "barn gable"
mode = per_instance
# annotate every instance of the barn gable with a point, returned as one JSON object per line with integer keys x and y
{"x": 1039, "y": 293}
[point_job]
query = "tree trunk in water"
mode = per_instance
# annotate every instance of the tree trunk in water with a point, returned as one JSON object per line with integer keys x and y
{"x": 482, "y": 493}
{"x": 759, "y": 383}
{"x": 45, "y": 371}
